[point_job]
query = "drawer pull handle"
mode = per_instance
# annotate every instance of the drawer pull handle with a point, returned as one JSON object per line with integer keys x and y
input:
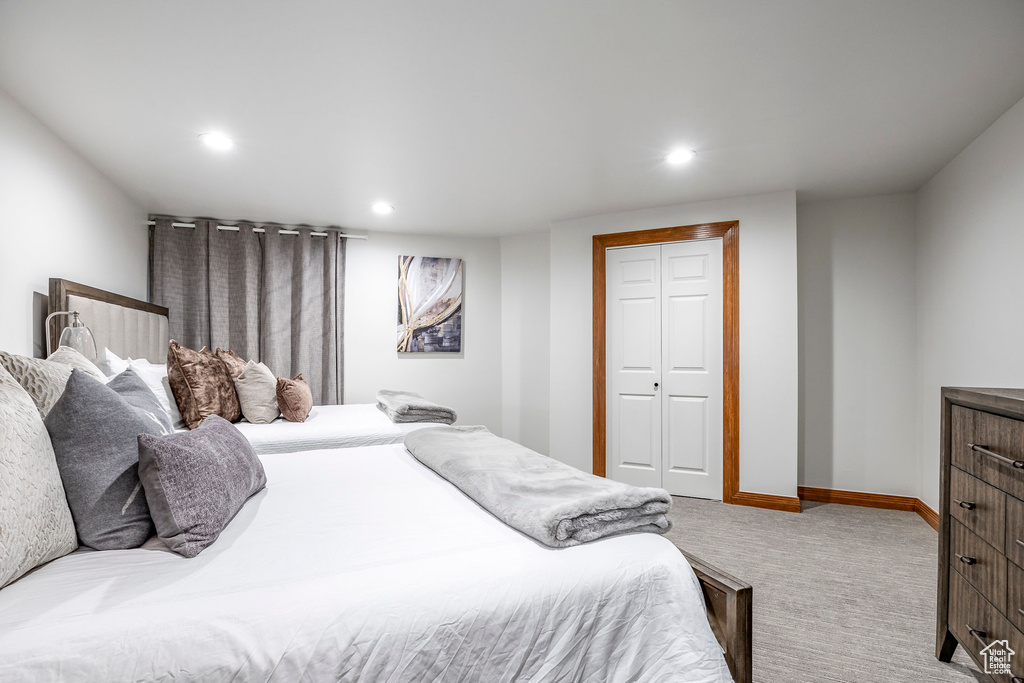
{"x": 1017, "y": 679}
{"x": 1019, "y": 464}
{"x": 965, "y": 504}
{"x": 977, "y": 633}
{"x": 1021, "y": 612}
{"x": 1019, "y": 542}
{"x": 966, "y": 559}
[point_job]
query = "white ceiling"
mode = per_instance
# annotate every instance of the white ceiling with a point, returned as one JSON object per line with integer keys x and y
{"x": 485, "y": 117}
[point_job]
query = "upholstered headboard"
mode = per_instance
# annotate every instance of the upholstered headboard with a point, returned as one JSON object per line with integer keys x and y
{"x": 129, "y": 327}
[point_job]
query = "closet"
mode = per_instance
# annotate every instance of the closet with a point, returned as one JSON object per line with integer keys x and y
{"x": 664, "y": 366}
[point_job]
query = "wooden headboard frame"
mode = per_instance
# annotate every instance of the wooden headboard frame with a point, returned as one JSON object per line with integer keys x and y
{"x": 60, "y": 289}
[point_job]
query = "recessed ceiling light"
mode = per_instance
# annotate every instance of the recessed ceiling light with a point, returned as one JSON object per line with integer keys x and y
{"x": 383, "y": 208}
{"x": 680, "y": 156}
{"x": 217, "y": 141}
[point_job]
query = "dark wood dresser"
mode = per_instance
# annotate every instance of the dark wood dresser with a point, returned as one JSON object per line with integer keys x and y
{"x": 981, "y": 536}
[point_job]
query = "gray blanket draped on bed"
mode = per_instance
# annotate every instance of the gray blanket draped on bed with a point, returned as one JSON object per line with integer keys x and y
{"x": 548, "y": 500}
{"x": 406, "y": 406}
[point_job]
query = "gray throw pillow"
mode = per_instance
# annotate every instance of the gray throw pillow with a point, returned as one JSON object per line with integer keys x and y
{"x": 256, "y": 387}
{"x": 130, "y": 386}
{"x": 94, "y": 428}
{"x": 197, "y": 481}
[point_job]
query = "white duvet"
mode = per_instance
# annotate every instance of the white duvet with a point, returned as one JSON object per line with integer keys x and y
{"x": 362, "y": 565}
{"x": 344, "y": 426}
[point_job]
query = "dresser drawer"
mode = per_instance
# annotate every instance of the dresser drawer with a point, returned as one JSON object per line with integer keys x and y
{"x": 978, "y": 562}
{"x": 973, "y": 621}
{"x": 978, "y": 506}
{"x": 1016, "y": 662}
{"x": 1015, "y": 596}
{"x": 1015, "y": 531}
{"x": 987, "y": 446}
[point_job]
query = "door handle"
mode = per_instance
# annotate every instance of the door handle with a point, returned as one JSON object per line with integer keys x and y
{"x": 655, "y": 385}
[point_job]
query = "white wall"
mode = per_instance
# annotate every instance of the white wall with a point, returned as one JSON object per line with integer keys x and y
{"x": 59, "y": 217}
{"x": 526, "y": 326}
{"x": 858, "y": 345}
{"x": 768, "y": 331}
{"x": 470, "y": 381}
{"x": 970, "y": 277}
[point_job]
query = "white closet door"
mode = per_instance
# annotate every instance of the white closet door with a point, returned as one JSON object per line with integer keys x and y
{"x": 692, "y": 368}
{"x": 634, "y": 365}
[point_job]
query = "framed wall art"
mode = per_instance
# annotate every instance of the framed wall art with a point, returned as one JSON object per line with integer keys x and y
{"x": 429, "y": 304}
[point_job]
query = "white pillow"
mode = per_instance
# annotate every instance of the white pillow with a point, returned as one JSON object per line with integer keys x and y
{"x": 155, "y": 377}
{"x": 69, "y": 356}
{"x": 34, "y": 515}
{"x": 257, "y": 393}
{"x": 43, "y": 380}
{"x": 110, "y": 364}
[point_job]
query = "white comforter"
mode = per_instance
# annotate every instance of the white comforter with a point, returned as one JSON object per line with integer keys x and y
{"x": 362, "y": 565}
{"x": 345, "y": 426}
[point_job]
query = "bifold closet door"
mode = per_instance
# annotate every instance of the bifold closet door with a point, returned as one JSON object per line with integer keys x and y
{"x": 664, "y": 366}
{"x": 634, "y": 365}
{"x": 692, "y": 380}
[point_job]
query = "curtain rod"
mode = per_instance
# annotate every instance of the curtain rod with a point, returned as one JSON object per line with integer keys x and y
{"x": 281, "y": 230}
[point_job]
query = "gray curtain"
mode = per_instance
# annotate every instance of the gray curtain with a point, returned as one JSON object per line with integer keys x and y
{"x": 299, "y": 308}
{"x": 236, "y": 280}
{"x": 268, "y": 296}
{"x": 180, "y": 279}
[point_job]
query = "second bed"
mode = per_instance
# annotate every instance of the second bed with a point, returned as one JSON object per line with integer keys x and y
{"x": 344, "y": 426}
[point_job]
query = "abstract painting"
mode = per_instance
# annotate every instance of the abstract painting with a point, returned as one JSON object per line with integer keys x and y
{"x": 429, "y": 304}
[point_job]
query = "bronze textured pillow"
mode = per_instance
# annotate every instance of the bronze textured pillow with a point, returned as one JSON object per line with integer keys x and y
{"x": 294, "y": 398}
{"x": 235, "y": 363}
{"x": 201, "y": 385}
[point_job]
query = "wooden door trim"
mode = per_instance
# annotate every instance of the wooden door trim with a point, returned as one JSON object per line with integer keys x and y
{"x": 729, "y": 232}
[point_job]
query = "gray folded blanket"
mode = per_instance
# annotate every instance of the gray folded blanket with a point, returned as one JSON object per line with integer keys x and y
{"x": 406, "y": 406}
{"x": 548, "y": 500}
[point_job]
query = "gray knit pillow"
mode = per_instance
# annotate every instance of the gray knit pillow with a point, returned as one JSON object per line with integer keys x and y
{"x": 94, "y": 428}
{"x": 197, "y": 481}
{"x": 35, "y": 523}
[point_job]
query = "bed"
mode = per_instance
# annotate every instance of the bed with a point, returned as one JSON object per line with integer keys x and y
{"x": 316, "y": 580}
{"x": 344, "y": 426}
{"x": 361, "y": 564}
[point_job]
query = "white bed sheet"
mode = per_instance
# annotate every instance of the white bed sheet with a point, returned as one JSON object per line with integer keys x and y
{"x": 344, "y": 426}
{"x": 362, "y": 565}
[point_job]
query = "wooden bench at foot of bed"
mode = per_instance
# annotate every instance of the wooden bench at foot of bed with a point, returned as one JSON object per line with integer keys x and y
{"x": 730, "y": 609}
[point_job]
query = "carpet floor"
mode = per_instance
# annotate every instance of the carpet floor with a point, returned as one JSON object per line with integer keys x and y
{"x": 840, "y": 593}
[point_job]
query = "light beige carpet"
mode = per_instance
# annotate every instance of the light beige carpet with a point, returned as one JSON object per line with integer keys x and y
{"x": 840, "y": 593}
